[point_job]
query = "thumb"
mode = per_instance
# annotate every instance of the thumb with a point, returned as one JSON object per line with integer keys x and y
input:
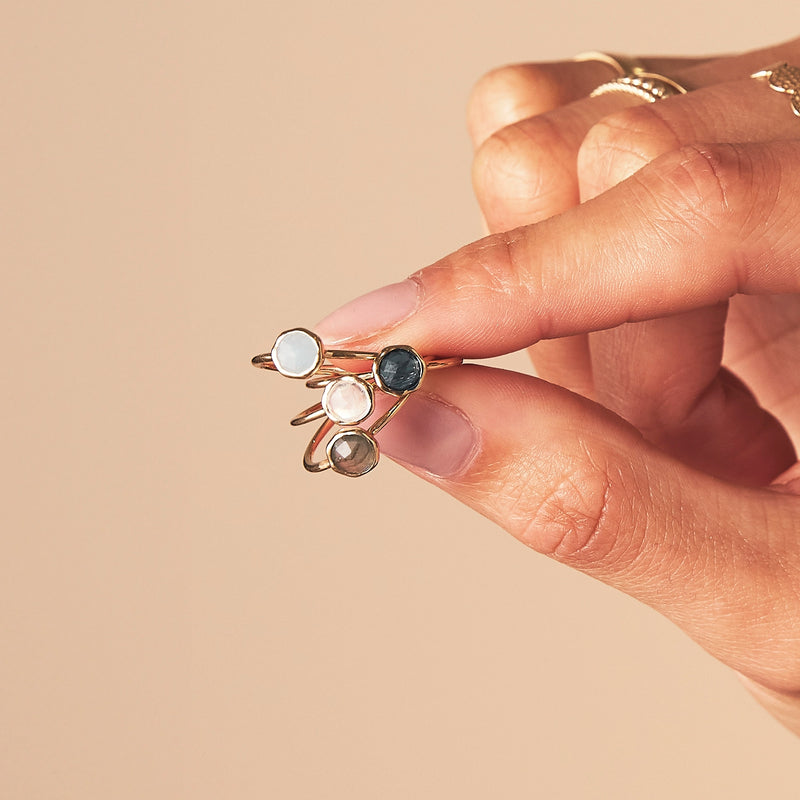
{"x": 577, "y": 483}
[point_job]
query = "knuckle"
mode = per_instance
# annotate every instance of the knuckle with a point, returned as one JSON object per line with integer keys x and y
{"x": 522, "y": 166}
{"x": 701, "y": 174}
{"x": 491, "y": 270}
{"x": 621, "y": 144}
{"x": 704, "y": 188}
{"x": 578, "y": 520}
{"x": 506, "y": 164}
{"x": 725, "y": 180}
{"x": 704, "y": 196}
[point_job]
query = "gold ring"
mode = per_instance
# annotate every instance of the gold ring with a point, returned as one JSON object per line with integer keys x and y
{"x": 348, "y": 395}
{"x": 649, "y": 86}
{"x": 624, "y": 65}
{"x": 351, "y": 451}
{"x": 299, "y": 353}
{"x": 783, "y": 78}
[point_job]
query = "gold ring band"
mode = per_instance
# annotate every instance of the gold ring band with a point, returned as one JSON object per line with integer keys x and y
{"x": 648, "y": 86}
{"x": 624, "y": 65}
{"x": 783, "y": 78}
{"x": 299, "y": 353}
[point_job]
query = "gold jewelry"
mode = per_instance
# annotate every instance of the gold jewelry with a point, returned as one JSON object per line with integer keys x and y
{"x": 348, "y": 396}
{"x": 353, "y": 452}
{"x": 783, "y": 78}
{"x": 299, "y": 353}
{"x": 624, "y": 65}
{"x": 649, "y": 86}
{"x": 632, "y": 78}
{"x": 350, "y": 451}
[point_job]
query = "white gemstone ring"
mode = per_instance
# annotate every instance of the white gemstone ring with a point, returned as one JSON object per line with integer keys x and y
{"x": 348, "y": 396}
{"x": 299, "y": 353}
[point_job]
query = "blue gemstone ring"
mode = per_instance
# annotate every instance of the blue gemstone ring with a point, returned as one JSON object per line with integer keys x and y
{"x": 348, "y": 396}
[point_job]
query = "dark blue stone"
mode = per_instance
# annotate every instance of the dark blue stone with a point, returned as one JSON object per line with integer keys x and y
{"x": 400, "y": 370}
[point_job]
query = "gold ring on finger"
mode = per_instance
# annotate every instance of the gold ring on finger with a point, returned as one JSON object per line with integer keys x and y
{"x": 783, "y": 78}
{"x": 648, "y": 86}
{"x": 624, "y": 65}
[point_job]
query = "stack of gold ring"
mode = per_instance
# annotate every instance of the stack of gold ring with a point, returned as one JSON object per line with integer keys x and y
{"x": 348, "y": 396}
{"x": 633, "y": 78}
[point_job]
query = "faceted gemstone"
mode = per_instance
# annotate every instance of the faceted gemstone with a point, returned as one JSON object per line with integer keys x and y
{"x": 347, "y": 400}
{"x": 352, "y": 453}
{"x": 400, "y": 370}
{"x": 296, "y": 353}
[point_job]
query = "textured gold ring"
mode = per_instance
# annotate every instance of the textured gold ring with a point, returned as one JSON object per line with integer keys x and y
{"x": 783, "y": 78}
{"x": 348, "y": 397}
{"x": 648, "y": 86}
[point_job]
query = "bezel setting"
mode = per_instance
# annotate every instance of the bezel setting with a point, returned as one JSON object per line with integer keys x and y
{"x": 386, "y": 386}
{"x": 309, "y": 340}
{"x": 363, "y": 438}
{"x": 329, "y": 399}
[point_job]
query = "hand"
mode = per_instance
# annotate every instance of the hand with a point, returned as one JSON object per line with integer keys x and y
{"x": 532, "y": 164}
{"x": 688, "y": 497}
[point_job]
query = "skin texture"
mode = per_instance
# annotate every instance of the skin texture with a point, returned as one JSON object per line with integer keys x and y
{"x": 648, "y": 255}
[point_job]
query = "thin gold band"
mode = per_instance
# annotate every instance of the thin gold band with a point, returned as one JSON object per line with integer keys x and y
{"x": 623, "y": 65}
{"x": 308, "y": 457}
{"x": 264, "y": 360}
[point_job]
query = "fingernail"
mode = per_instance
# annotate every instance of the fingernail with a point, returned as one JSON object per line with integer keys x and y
{"x": 432, "y": 435}
{"x": 370, "y": 313}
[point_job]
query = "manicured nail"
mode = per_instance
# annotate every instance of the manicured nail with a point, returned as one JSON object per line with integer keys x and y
{"x": 370, "y": 313}
{"x": 432, "y": 435}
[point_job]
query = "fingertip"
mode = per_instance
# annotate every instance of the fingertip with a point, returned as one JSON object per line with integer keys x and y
{"x": 432, "y": 435}
{"x": 371, "y": 313}
{"x": 501, "y": 97}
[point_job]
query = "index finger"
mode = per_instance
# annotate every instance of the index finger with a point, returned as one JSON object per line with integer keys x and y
{"x": 691, "y": 229}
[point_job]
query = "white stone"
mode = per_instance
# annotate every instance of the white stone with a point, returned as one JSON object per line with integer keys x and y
{"x": 296, "y": 354}
{"x": 347, "y": 400}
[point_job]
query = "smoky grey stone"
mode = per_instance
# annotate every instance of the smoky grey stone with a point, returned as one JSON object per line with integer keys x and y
{"x": 353, "y": 453}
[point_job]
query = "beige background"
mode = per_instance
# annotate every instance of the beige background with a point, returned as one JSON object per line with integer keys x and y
{"x": 185, "y": 613}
